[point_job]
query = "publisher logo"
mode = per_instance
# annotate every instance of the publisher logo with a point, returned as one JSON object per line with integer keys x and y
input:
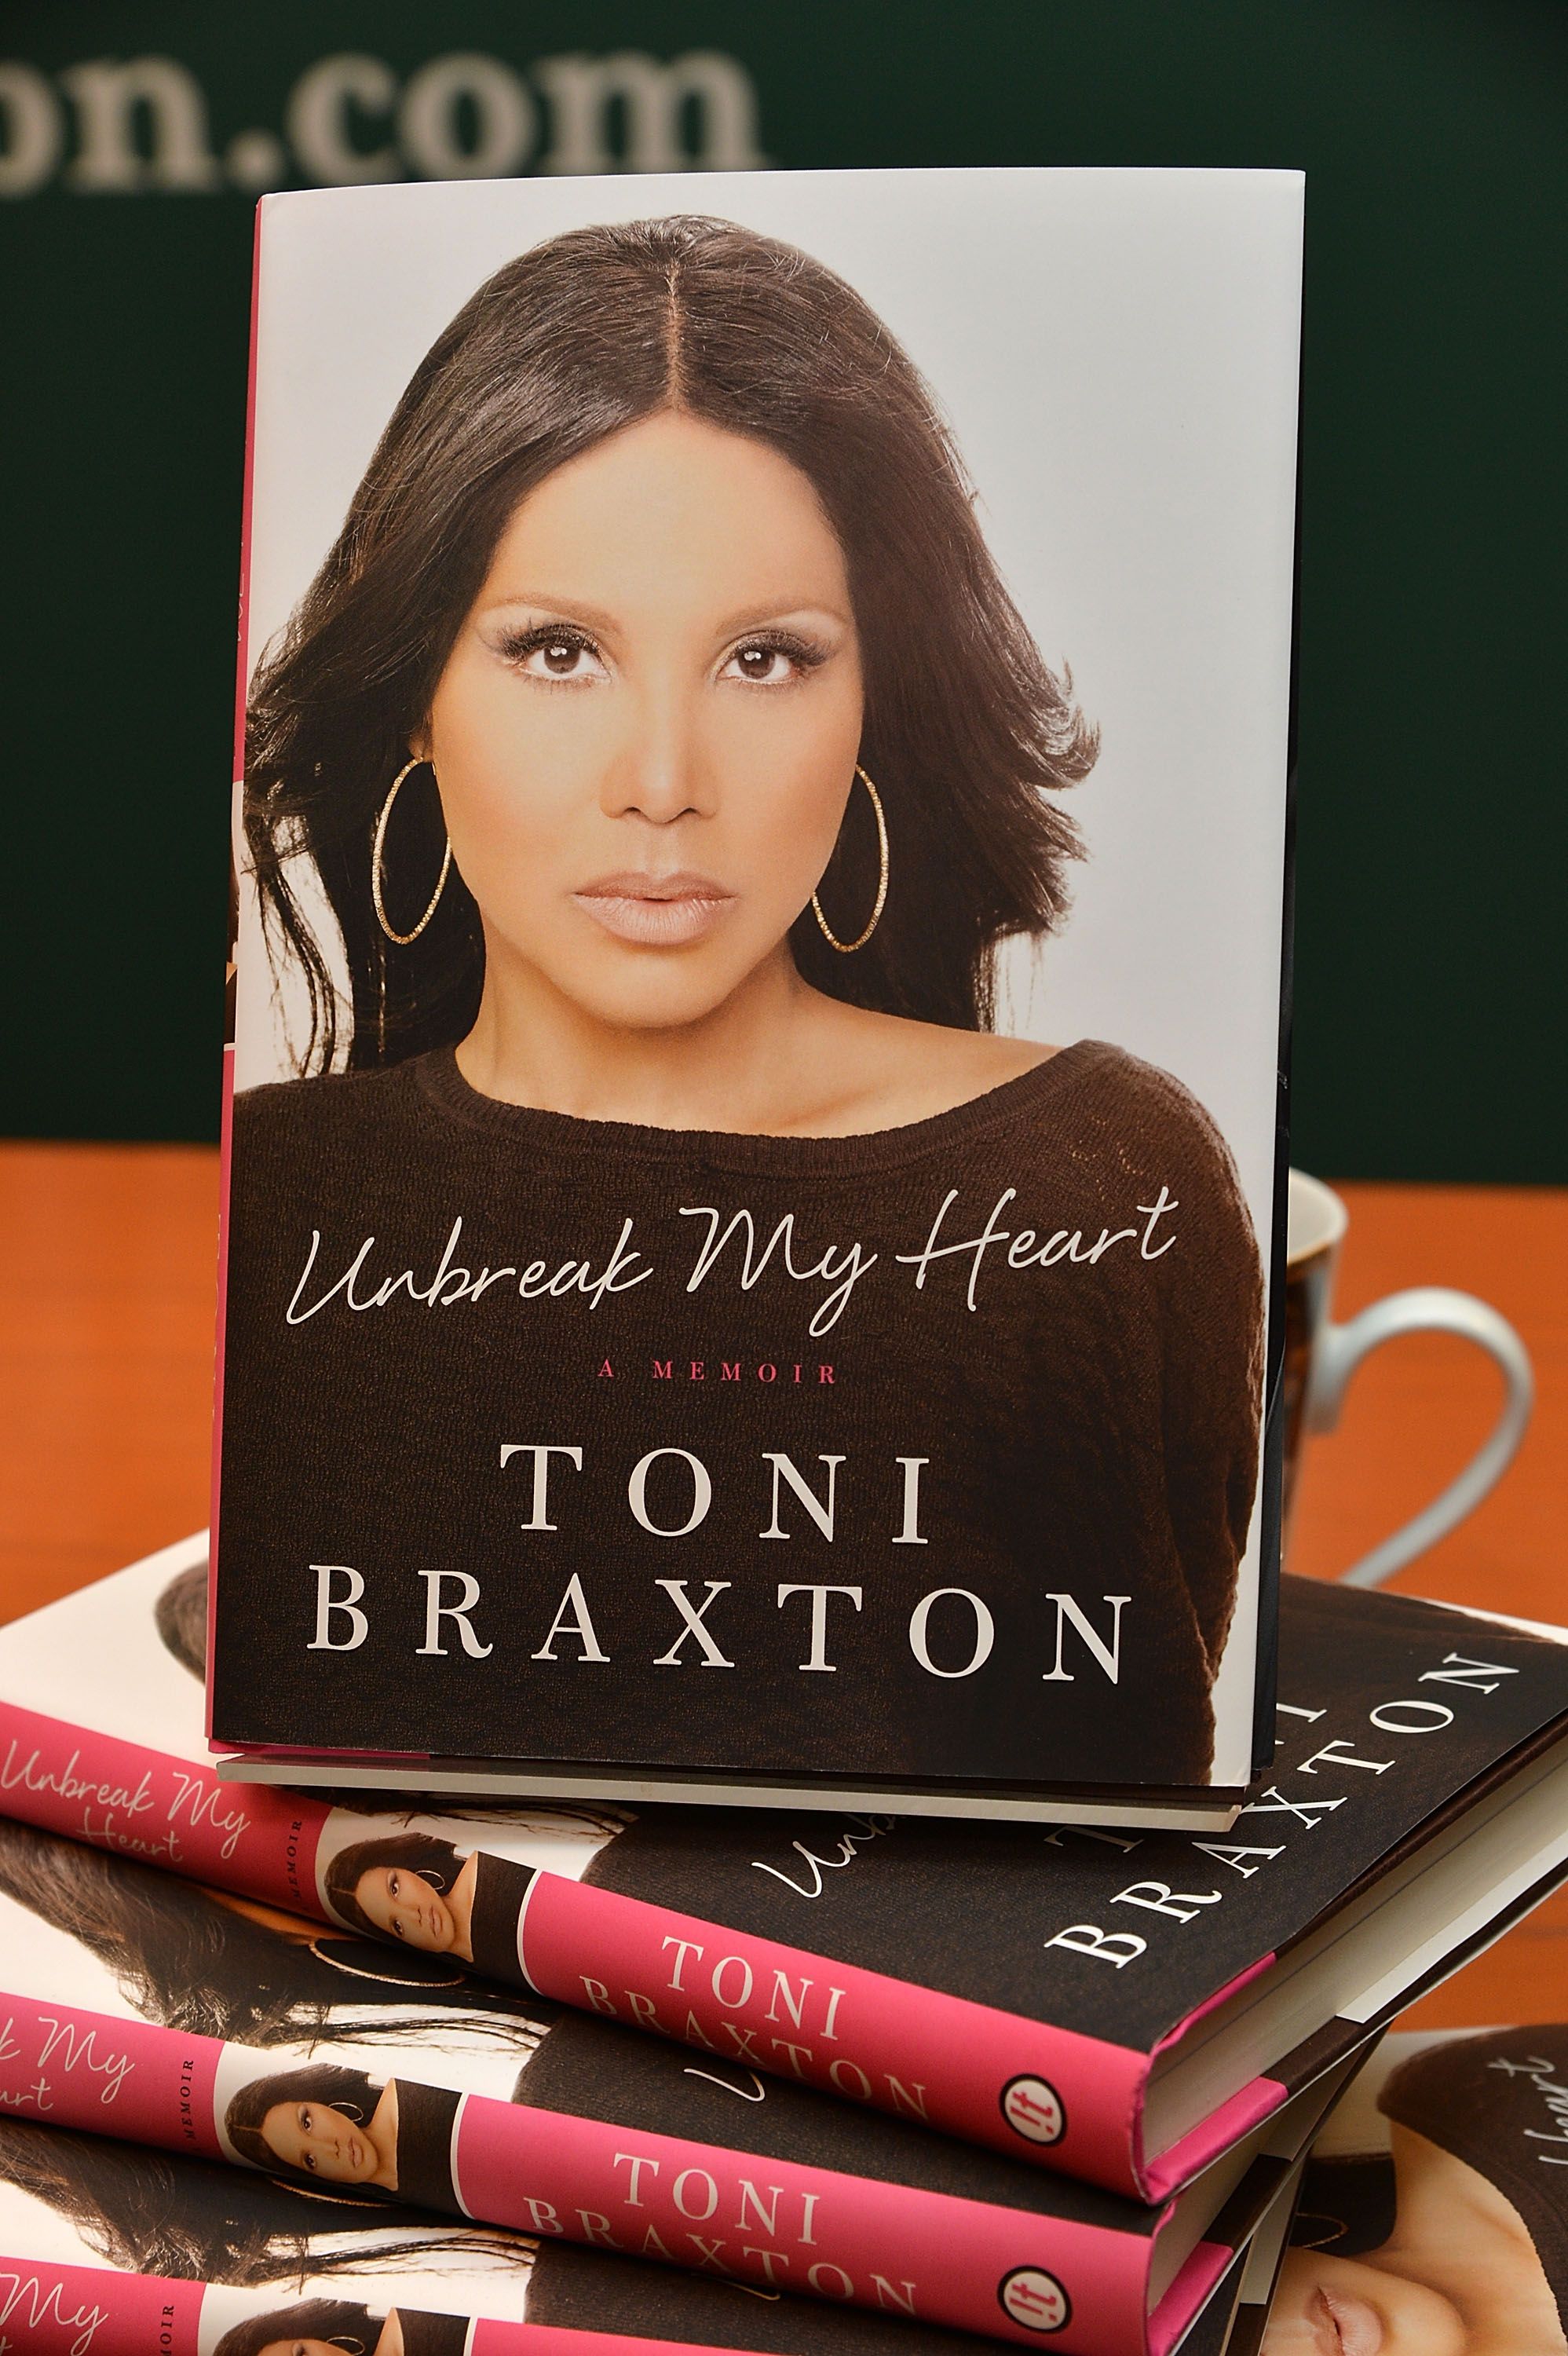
{"x": 1034, "y": 2299}
{"x": 1033, "y": 2109}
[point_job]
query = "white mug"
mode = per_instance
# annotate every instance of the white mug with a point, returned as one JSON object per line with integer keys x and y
{"x": 1320, "y": 1357}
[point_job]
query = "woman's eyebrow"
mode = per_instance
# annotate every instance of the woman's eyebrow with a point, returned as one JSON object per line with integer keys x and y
{"x": 759, "y": 618}
{"x": 573, "y": 609}
{"x": 598, "y": 617}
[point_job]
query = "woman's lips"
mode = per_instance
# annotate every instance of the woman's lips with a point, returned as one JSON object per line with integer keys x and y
{"x": 1353, "y": 2327}
{"x": 654, "y": 911}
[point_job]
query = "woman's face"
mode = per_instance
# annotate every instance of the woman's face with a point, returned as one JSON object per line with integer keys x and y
{"x": 405, "y": 1906}
{"x": 319, "y": 2141}
{"x": 1343, "y": 2306}
{"x": 647, "y": 729}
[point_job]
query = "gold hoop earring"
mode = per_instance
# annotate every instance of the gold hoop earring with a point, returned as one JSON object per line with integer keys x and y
{"x": 848, "y": 949}
{"x": 382, "y": 1979}
{"x": 349, "y": 2193}
{"x": 403, "y": 939}
{"x": 1324, "y": 2241}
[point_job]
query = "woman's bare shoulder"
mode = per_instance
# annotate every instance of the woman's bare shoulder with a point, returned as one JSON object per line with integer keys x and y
{"x": 957, "y": 1064}
{"x": 884, "y": 1071}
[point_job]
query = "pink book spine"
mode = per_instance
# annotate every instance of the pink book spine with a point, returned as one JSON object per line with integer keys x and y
{"x": 54, "y": 2310}
{"x": 159, "y": 1809}
{"x": 973, "y": 2265}
{"x": 1034, "y": 2092}
{"x": 47, "y": 2309}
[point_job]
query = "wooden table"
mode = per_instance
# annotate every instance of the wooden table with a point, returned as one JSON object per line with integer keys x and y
{"x": 107, "y": 1258}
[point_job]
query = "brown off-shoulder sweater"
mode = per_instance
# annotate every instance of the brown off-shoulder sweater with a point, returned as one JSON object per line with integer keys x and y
{"x": 958, "y": 1385}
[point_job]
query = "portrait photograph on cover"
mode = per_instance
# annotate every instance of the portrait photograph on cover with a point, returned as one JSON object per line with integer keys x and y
{"x": 1432, "y": 2215}
{"x": 756, "y": 1115}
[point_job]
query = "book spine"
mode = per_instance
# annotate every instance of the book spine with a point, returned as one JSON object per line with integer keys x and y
{"x": 1040, "y": 2094}
{"x": 1011, "y": 2274}
{"x": 160, "y": 1809}
{"x": 49, "y": 2310}
{"x": 55, "y": 2311}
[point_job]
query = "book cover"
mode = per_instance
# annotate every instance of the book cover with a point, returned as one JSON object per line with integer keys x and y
{"x": 1434, "y": 2215}
{"x": 754, "y": 1148}
{"x": 1137, "y": 2002}
{"x": 355, "y": 2074}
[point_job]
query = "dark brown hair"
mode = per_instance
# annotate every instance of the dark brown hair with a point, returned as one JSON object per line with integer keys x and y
{"x": 966, "y": 728}
{"x": 159, "y": 2213}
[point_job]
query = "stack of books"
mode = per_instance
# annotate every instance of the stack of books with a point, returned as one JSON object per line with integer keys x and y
{"x": 494, "y": 2062}
{"x": 758, "y": 1786}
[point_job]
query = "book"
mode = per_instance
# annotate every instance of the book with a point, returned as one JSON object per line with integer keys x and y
{"x": 509, "y": 2294}
{"x": 730, "y": 1293}
{"x": 1138, "y": 1999}
{"x": 122, "y": 1983}
{"x": 105, "y": 2213}
{"x": 1433, "y": 2213}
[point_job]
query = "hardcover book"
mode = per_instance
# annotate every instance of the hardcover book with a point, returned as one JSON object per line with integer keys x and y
{"x": 85, "y": 2223}
{"x": 754, "y": 1149}
{"x": 1136, "y": 2000}
{"x": 361, "y": 2077}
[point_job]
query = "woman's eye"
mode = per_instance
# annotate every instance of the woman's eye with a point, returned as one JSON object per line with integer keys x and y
{"x": 762, "y": 666}
{"x": 306, "y": 2122}
{"x": 394, "y": 1888}
{"x": 561, "y": 658}
{"x": 397, "y": 1926}
{"x": 310, "y": 2162}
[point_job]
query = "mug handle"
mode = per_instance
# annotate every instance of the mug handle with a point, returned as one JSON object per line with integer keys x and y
{"x": 1426, "y": 1309}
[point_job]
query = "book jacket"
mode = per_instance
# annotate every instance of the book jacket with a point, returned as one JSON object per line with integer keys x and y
{"x": 85, "y": 2223}
{"x": 754, "y": 1153}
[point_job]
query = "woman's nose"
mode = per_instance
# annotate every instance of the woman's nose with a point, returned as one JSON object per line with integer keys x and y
{"x": 658, "y": 773}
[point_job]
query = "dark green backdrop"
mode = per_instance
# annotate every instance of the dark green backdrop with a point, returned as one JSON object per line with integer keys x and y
{"x": 1432, "y": 839}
